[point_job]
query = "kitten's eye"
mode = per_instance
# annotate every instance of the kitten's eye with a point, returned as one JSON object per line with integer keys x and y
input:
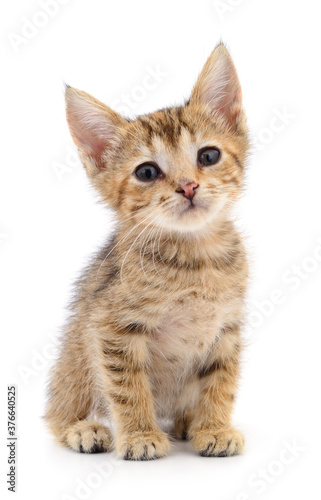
{"x": 208, "y": 156}
{"x": 148, "y": 172}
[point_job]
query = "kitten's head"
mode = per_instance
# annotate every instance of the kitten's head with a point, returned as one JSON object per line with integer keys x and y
{"x": 178, "y": 168}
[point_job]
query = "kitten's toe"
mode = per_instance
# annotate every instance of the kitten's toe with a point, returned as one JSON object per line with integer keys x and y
{"x": 89, "y": 437}
{"x": 218, "y": 443}
{"x": 143, "y": 446}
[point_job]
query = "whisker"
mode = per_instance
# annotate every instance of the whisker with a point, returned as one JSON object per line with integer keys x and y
{"x": 122, "y": 266}
{"x": 159, "y": 240}
{"x": 134, "y": 214}
{"x": 153, "y": 247}
{"x": 120, "y": 241}
{"x": 143, "y": 248}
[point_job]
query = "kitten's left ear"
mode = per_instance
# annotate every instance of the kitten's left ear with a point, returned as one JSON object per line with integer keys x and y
{"x": 218, "y": 87}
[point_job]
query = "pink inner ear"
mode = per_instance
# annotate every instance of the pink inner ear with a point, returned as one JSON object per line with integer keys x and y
{"x": 93, "y": 125}
{"x": 229, "y": 103}
{"x": 92, "y": 142}
{"x": 223, "y": 92}
{"x": 218, "y": 86}
{"x": 89, "y": 140}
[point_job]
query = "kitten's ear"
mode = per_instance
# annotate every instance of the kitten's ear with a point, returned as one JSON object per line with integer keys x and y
{"x": 218, "y": 86}
{"x": 94, "y": 127}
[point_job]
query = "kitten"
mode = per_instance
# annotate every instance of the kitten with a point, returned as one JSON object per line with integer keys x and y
{"x": 155, "y": 325}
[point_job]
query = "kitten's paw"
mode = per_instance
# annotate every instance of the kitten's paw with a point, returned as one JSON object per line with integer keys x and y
{"x": 88, "y": 436}
{"x": 143, "y": 446}
{"x": 218, "y": 443}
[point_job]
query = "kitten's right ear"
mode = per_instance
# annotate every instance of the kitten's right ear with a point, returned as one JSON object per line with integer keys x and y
{"x": 219, "y": 89}
{"x": 94, "y": 127}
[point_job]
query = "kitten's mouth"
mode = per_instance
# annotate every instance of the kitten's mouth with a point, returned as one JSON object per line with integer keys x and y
{"x": 193, "y": 206}
{"x": 189, "y": 209}
{"x": 193, "y": 209}
{"x": 190, "y": 217}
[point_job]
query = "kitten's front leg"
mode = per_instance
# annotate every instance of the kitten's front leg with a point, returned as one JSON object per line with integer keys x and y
{"x": 138, "y": 436}
{"x": 211, "y": 432}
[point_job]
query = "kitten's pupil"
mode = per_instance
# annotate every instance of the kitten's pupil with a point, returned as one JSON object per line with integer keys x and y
{"x": 147, "y": 172}
{"x": 208, "y": 156}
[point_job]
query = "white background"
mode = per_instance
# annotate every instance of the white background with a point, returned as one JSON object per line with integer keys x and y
{"x": 51, "y": 223}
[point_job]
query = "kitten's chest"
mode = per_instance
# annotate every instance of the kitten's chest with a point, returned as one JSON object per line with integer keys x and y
{"x": 187, "y": 328}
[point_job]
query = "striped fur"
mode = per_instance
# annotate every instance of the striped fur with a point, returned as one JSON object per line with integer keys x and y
{"x": 155, "y": 325}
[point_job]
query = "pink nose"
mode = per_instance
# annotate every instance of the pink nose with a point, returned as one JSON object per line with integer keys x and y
{"x": 187, "y": 189}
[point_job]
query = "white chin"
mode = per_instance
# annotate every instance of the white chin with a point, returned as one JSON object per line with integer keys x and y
{"x": 191, "y": 220}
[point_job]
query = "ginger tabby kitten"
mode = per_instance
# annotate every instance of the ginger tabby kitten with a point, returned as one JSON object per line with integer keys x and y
{"x": 155, "y": 326}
